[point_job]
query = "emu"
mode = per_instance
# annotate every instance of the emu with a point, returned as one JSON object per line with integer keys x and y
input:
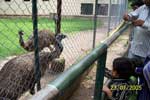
{"x": 45, "y": 37}
{"x": 17, "y": 75}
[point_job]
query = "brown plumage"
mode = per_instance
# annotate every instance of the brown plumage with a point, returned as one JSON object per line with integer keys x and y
{"x": 45, "y": 37}
{"x": 57, "y": 65}
{"x": 17, "y": 75}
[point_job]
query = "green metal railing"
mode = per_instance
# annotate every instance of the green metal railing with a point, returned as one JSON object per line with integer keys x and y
{"x": 67, "y": 78}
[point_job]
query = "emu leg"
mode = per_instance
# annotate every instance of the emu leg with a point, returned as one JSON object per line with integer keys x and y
{"x": 32, "y": 88}
{"x": 38, "y": 86}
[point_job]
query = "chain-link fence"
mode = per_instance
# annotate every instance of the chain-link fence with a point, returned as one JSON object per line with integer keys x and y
{"x": 117, "y": 8}
{"x": 73, "y": 19}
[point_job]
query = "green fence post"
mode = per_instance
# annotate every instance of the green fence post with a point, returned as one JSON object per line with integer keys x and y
{"x": 95, "y": 22}
{"x": 36, "y": 52}
{"x": 100, "y": 76}
{"x": 58, "y": 20}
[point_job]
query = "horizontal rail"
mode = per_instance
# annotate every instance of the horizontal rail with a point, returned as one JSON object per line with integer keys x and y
{"x": 69, "y": 76}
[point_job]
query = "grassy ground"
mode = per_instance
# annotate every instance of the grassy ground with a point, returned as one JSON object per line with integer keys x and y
{"x": 9, "y": 28}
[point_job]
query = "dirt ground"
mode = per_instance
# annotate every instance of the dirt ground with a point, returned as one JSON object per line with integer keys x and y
{"x": 86, "y": 88}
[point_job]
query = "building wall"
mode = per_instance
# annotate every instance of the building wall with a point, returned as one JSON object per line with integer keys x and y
{"x": 15, "y": 7}
{"x": 93, "y": 1}
{"x": 20, "y": 7}
{"x": 69, "y": 7}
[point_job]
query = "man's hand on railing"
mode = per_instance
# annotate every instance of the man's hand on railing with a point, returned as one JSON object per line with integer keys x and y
{"x": 126, "y": 17}
{"x": 138, "y": 22}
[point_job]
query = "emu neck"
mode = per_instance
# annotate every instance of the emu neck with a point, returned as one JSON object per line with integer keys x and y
{"x": 21, "y": 41}
{"x": 59, "y": 47}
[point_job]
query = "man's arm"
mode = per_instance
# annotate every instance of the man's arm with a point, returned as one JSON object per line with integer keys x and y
{"x": 145, "y": 24}
{"x": 138, "y": 22}
{"x": 133, "y": 15}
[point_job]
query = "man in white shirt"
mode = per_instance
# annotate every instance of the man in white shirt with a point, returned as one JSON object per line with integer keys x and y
{"x": 140, "y": 46}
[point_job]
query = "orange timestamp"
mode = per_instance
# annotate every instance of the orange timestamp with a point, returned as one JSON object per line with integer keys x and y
{"x": 126, "y": 87}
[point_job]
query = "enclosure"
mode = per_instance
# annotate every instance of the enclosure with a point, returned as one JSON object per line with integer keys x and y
{"x": 84, "y": 22}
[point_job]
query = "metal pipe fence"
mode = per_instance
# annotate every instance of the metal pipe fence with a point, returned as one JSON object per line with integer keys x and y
{"x": 49, "y": 36}
{"x": 57, "y": 88}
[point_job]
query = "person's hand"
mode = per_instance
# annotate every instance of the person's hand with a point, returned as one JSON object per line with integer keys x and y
{"x": 107, "y": 91}
{"x": 138, "y": 22}
{"x": 126, "y": 17}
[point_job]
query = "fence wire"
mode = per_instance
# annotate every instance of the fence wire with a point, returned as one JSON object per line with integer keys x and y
{"x": 117, "y": 8}
{"x": 74, "y": 40}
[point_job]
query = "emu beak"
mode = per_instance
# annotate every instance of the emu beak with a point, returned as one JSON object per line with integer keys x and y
{"x": 65, "y": 36}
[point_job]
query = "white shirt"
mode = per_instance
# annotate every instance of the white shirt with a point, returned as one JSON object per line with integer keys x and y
{"x": 140, "y": 44}
{"x": 143, "y": 14}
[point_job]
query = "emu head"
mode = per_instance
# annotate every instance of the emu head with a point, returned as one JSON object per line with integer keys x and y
{"x": 21, "y": 32}
{"x": 60, "y": 36}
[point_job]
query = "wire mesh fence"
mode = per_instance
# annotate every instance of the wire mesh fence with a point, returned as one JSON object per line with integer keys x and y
{"x": 117, "y": 8}
{"x": 75, "y": 38}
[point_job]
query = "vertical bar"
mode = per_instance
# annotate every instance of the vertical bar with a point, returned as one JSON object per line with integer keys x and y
{"x": 126, "y": 5}
{"x": 109, "y": 18}
{"x": 119, "y": 11}
{"x": 36, "y": 52}
{"x": 116, "y": 16}
{"x": 120, "y": 17}
{"x": 95, "y": 22}
{"x": 58, "y": 21}
{"x": 100, "y": 76}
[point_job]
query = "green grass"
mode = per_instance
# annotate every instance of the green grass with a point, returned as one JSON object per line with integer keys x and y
{"x": 9, "y": 28}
